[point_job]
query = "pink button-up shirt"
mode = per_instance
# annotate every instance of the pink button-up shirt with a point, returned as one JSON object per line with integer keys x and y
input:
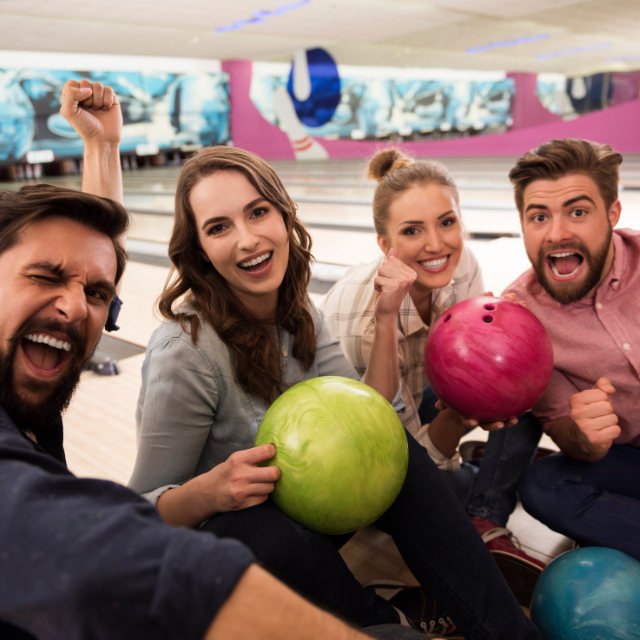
{"x": 594, "y": 338}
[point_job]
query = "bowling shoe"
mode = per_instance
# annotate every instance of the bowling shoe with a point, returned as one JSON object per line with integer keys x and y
{"x": 416, "y": 609}
{"x": 519, "y": 569}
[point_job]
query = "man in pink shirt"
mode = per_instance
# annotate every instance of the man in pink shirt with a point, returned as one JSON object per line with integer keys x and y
{"x": 584, "y": 286}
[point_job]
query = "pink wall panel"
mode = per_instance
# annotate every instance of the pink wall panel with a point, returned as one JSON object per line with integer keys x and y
{"x": 526, "y": 109}
{"x": 249, "y": 130}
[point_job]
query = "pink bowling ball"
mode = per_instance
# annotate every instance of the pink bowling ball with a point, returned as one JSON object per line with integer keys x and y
{"x": 488, "y": 359}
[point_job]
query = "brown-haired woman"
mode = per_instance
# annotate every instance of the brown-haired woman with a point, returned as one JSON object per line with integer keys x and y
{"x": 240, "y": 329}
{"x": 416, "y": 212}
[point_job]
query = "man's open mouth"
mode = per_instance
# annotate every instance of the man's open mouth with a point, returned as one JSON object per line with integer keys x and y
{"x": 564, "y": 264}
{"x": 46, "y": 352}
{"x": 257, "y": 264}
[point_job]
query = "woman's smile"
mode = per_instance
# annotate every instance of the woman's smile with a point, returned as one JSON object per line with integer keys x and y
{"x": 435, "y": 265}
{"x": 258, "y": 266}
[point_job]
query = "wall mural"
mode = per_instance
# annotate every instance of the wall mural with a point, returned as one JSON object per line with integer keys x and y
{"x": 313, "y": 100}
{"x": 571, "y": 97}
{"x": 163, "y": 110}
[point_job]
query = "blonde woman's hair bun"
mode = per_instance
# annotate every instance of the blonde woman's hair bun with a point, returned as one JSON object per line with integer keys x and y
{"x": 385, "y": 162}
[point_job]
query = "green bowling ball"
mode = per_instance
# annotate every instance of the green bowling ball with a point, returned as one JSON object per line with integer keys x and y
{"x": 341, "y": 450}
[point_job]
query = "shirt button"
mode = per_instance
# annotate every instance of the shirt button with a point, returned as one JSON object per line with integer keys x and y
{"x": 626, "y": 346}
{"x": 599, "y": 305}
{"x": 285, "y": 353}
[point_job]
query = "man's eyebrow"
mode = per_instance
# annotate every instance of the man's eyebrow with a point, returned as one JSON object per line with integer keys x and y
{"x": 536, "y": 206}
{"x": 105, "y": 285}
{"x": 55, "y": 269}
{"x": 58, "y": 270}
{"x": 568, "y": 203}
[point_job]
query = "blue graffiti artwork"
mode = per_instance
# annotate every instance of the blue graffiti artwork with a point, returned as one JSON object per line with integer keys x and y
{"x": 320, "y": 106}
{"x": 16, "y": 117}
{"x": 378, "y": 107}
{"x": 167, "y": 110}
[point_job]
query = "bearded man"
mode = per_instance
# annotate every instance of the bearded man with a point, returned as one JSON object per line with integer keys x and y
{"x": 83, "y": 558}
{"x": 584, "y": 286}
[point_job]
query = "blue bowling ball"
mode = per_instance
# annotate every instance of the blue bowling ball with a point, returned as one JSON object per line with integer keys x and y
{"x": 588, "y": 594}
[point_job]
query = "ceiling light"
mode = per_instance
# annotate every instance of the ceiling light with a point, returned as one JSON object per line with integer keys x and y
{"x": 259, "y": 16}
{"x": 569, "y": 52}
{"x": 624, "y": 59}
{"x": 501, "y": 44}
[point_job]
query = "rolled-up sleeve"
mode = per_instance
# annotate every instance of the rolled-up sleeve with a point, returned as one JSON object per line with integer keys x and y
{"x": 554, "y": 404}
{"x": 91, "y": 559}
{"x": 442, "y": 462}
{"x": 175, "y": 413}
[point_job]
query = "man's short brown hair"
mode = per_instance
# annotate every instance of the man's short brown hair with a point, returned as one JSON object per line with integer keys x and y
{"x": 36, "y": 202}
{"x": 558, "y": 158}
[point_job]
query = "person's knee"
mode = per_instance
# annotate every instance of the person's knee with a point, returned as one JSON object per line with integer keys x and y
{"x": 273, "y": 537}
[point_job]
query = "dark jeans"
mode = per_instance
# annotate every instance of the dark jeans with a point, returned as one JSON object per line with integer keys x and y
{"x": 595, "y": 503}
{"x": 489, "y": 490}
{"x": 434, "y": 536}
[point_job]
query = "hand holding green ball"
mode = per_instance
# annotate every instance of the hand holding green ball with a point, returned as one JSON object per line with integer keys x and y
{"x": 341, "y": 450}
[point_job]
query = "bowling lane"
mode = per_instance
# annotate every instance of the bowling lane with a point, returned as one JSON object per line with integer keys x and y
{"x": 484, "y": 218}
{"x": 152, "y": 228}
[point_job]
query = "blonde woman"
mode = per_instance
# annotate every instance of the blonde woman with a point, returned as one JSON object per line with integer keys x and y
{"x": 416, "y": 213}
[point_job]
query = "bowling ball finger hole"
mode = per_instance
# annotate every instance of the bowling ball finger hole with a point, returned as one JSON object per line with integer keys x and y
{"x": 488, "y": 319}
{"x": 490, "y": 307}
{"x": 447, "y": 318}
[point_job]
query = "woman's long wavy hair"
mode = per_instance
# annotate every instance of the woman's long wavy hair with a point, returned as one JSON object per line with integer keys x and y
{"x": 254, "y": 344}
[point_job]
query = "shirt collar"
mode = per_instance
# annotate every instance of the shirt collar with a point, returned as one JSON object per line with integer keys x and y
{"x": 49, "y": 440}
{"x": 409, "y": 318}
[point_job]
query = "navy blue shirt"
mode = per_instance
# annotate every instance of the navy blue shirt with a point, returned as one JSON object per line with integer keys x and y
{"x": 84, "y": 558}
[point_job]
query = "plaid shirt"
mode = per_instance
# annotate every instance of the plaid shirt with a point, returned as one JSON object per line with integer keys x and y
{"x": 349, "y": 312}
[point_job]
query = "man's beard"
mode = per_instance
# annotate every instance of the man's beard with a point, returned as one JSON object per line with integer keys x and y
{"x": 568, "y": 292}
{"x": 54, "y": 397}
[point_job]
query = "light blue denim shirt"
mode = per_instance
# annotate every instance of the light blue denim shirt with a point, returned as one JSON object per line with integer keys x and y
{"x": 192, "y": 414}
